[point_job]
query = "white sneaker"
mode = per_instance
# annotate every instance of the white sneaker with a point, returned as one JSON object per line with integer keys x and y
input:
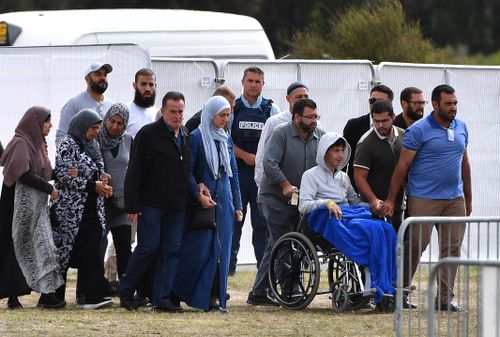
{"x": 105, "y": 303}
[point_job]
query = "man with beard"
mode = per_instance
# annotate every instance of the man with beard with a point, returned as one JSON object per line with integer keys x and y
{"x": 142, "y": 110}
{"x": 93, "y": 98}
{"x": 376, "y": 157}
{"x": 356, "y": 127}
{"x": 290, "y": 152}
{"x": 439, "y": 184}
{"x": 413, "y": 103}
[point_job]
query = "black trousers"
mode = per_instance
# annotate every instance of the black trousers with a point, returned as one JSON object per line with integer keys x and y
{"x": 121, "y": 240}
{"x": 86, "y": 254}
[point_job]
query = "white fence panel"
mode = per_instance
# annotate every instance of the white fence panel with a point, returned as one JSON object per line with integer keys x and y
{"x": 194, "y": 78}
{"x": 50, "y": 76}
{"x": 340, "y": 88}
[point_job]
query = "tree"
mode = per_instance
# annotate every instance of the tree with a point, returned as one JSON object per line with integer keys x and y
{"x": 378, "y": 31}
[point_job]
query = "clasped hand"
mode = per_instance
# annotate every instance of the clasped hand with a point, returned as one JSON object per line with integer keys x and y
{"x": 102, "y": 188}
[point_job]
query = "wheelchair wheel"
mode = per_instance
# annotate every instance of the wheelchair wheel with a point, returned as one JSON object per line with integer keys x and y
{"x": 294, "y": 271}
{"x": 343, "y": 271}
{"x": 340, "y": 299}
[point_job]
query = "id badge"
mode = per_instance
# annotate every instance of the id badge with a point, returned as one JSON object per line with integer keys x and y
{"x": 451, "y": 135}
{"x": 295, "y": 199}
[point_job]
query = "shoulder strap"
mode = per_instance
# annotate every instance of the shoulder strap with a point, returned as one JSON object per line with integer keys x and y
{"x": 266, "y": 106}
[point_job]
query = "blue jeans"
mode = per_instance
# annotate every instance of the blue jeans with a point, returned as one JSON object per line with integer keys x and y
{"x": 159, "y": 233}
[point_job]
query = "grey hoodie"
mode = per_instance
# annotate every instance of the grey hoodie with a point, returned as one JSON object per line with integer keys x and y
{"x": 320, "y": 184}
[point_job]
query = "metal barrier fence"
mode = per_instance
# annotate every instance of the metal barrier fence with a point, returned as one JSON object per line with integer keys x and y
{"x": 480, "y": 242}
{"x": 195, "y": 78}
{"x": 340, "y": 88}
{"x": 479, "y": 318}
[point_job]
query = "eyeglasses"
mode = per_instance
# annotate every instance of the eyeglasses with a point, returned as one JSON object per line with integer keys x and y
{"x": 419, "y": 103}
{"x": 313, "y": 118}
{"x": 383, "y": 122}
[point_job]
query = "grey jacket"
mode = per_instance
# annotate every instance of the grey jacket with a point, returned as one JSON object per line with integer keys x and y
{"x": 117, "y": 168}
{"x": 287, "y": 156}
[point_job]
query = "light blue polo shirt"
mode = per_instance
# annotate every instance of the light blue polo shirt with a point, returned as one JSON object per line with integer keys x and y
{"x": 436, "y": 171}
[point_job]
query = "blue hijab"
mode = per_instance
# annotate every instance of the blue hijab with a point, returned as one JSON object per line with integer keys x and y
{"x": 210, "y": 133}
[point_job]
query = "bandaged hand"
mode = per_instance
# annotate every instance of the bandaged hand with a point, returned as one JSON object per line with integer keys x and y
{"x": 334, "y": 209}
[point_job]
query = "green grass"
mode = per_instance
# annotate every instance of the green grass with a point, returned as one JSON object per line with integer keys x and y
{"x": 242, "y": 320}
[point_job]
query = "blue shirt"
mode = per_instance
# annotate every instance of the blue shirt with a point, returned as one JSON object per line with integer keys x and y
{"x": 274, "y": 108}
{"x": 436, "y": 170}
{"x": 177, "y": 140}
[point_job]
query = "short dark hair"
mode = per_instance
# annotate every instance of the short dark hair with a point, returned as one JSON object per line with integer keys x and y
{"x": 382, "y": 106}
{"x": 172, "y": 95}
{"x": 224, "y": 91}
{"x": 385, "y": 89}
{"x": 407, "y": 92}
{"x": 301, "y": 104}
{"x": 338, "y": 142}
{"x": 436, "y": 93}
{"x": 143, "y": 72}
{"x": 253, "y": 69}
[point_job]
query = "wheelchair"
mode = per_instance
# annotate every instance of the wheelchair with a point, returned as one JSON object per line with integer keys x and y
{"x": 295, "y": 272}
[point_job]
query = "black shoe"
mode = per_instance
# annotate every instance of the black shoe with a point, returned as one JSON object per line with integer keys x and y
{"x": 216, "y": 308}
{"x": 176, "y": 301}
{"x": 80, "y": 299}
{"x": 260, "y": 300}
{"x": 141, "y": 301}
{"x": 169, "y": 307}
{"x": 50, "y": 301}
{"x": 13, "y": 303}
{"x": 452, "y": 306}
{"x": 407, "y": 304}
{"x": 128, "y": 303}
{"x": 98, "y": 303}
{"x": 111, "y": 290}
{"x": 386, "y": 304}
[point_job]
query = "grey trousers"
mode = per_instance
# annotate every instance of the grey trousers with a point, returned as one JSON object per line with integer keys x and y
{"x": 280, "y": 221}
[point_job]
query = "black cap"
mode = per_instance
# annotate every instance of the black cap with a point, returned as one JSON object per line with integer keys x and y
{"x": 295, "y": 85}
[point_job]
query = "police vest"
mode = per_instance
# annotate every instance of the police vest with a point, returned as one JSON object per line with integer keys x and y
{"x": 248, "y": 124}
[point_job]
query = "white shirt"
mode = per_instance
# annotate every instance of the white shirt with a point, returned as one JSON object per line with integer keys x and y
{"x": 139, "y": 117}
{"x": 271, "y": 123}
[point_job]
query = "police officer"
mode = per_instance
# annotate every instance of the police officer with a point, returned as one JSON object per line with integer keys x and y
{"x": 250, "y": 113}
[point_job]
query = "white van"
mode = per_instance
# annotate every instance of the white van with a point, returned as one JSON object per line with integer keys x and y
{"x": 163, "y": 32}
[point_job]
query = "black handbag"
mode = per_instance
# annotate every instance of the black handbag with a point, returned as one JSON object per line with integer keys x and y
{"x": 201, "y": 218}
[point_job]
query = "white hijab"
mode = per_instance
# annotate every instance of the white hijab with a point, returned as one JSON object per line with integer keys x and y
{"x": 210, "y": 133}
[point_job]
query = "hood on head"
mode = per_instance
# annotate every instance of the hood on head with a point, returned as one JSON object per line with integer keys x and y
{"x": 325, "y": 142}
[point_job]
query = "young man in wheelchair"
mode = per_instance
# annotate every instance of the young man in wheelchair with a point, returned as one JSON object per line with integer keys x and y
{"x": 333, "y": 210}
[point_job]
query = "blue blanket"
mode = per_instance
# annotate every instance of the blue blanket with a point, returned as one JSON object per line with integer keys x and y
{"x": 367, "y": 241}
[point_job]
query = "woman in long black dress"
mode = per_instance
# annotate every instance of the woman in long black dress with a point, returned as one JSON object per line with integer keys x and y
{"x": 28, "y": 257}
{"x": 79, "y": 220}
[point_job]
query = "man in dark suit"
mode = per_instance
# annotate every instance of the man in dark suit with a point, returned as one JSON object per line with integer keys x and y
{"x": 356, "y": 127}
{"x": 156, "y": 196}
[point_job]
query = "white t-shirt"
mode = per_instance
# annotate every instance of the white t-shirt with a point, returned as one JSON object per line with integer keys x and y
{"x": 139, "y": 117}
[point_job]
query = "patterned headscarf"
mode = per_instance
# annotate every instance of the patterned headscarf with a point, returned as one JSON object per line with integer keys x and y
{"x": 106, "y": 141}
{"x": 78, "y": 127}
{"x": 210, "y": 133}
{"x": 28, "y": 149}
